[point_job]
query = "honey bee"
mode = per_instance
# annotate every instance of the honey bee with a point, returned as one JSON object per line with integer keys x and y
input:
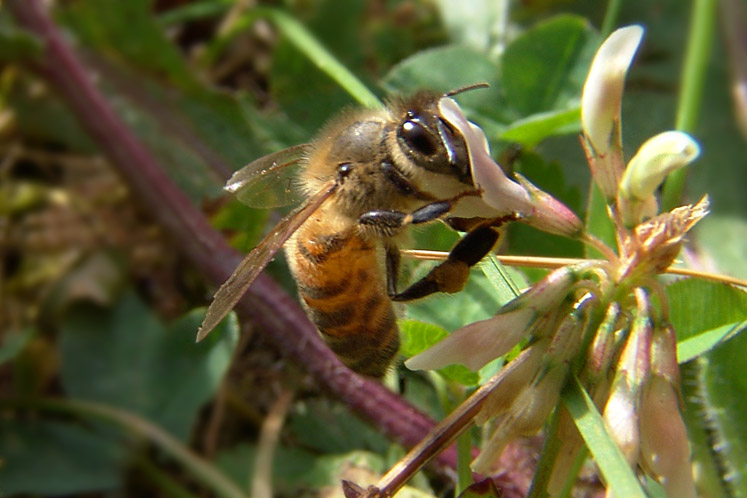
{"x": 368, "y": 176}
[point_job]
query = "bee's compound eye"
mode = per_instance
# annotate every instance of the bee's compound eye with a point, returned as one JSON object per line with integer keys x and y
{"x": 417, "y": 138}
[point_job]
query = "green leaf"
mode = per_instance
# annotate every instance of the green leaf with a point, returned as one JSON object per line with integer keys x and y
{"x": 418, "y": 336}
{"x": 722, "y": 396}
{"x": 46, "y": 119}
{"x": 533, "y": 129}
{"x": 477, "y": 301}
{"x": 249, "y": 224}
{"x": 296, "y": 469}
{"x": 312, "y": 104}
{"x": 424, "y": 392}
{"x": 14, "y": 341}
{"x": 700, "y": 344}
{"x": 129, "y": 30}
{"x": 124, "y": 357}
{"x": 53, "y": 458}
{"x": 425, "y": 69}
{"x": 724, "y": 238}
{"x": 304, "y": 41}
{"x": 617, "y": 473}
{"x": 544, "y": 68}
{"x": 328, "y": 427}
{"x": 706, "y": 316}
{"x": 699, "y": 305}
{"x": 501, "y": 279}
{"x": 434, "y": 237}
{"x": 193, "y": 11}
{"x": 17, "y": 45}
{"x": 448, "y": 68}
{"x": 309, "y": 83}
{"x": 479, "y": 24}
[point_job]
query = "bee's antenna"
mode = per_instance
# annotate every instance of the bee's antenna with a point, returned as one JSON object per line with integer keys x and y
{"x": 467, "y": 88}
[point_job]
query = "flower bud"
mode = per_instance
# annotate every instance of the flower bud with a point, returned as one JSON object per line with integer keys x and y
{"x": 665, "y": 453}
{"x": 633, "y": 370}
{"x": 664, "y": 354}
{"x": 478, "y": 343}
{"x": 551, "y": 290}
{"x": 572, "y": 443}
{"x": 535, "y": 386}
{"x": 600, "y": 105}
{"x": 635, "y": 360}
{"x": 601, "y": 350}
{"x": 526, "y": 416}
{"x": 657, "y": 157}
{"x": 516, "y": 376}
{"x": 621, "y": 416}
{"x": 549, "y": 214}
{"x": 565, "y": 341}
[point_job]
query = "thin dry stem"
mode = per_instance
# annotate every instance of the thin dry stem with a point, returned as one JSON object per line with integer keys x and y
{"x": 439, "y": 438}
{"x": 268, "y": 440}
{"x": 554, "y": 263}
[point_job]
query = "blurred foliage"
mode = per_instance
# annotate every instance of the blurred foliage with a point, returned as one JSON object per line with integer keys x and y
{"x": 97, "y": 305}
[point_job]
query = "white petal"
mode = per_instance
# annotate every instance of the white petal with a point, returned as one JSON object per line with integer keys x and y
{"x": 533, "y": 206}
{"x": 475, "y": 344}
{"x": 602, "y": 94}
{"x": 499, "y": 191}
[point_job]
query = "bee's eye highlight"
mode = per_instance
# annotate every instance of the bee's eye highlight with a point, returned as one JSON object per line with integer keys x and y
{"x": 417, "y": 138}
{"x": 344, "y": 169}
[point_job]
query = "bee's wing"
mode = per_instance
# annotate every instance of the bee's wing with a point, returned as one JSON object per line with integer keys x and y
{"x": 231, "y": 291}
{"x": 270, "y": 181}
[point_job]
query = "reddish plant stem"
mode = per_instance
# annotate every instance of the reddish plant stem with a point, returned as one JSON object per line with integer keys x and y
{"x": 266, "y": 303}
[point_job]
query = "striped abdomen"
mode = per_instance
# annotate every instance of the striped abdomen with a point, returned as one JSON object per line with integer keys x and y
{"x": 342, "y": 286}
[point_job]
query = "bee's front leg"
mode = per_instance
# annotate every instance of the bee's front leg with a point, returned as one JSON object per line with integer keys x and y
{"x": 452, "y": 274}
{"x": 389, "y": 222}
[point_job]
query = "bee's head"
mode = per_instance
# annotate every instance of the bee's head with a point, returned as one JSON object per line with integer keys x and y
{"x": 428, "y": 141}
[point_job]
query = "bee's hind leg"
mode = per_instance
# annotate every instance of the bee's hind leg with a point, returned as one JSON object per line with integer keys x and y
{"x": 450, "y": 275}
